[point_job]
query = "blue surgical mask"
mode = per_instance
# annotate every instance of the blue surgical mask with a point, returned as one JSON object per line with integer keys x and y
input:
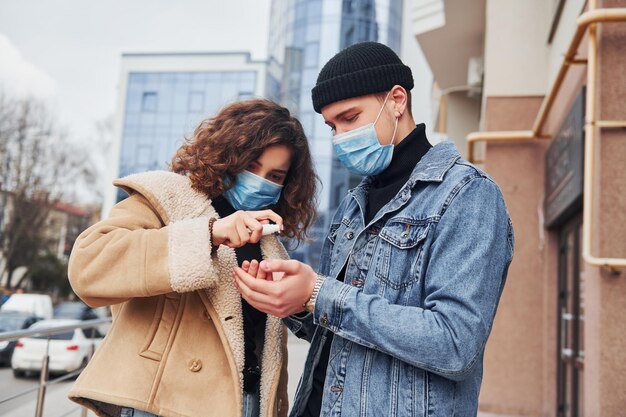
{"x": 252, "y": 192}
{"x": 360, "y": 151}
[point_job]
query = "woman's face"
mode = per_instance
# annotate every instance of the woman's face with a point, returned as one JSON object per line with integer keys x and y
{"x": 273, "y": 164}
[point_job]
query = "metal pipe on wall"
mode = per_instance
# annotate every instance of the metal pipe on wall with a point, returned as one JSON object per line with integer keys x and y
{"x": 586, "y": 22}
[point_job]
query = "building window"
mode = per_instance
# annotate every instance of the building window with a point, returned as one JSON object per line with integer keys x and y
{"x": 149, "y": 101}
{"x": 143, "y": 155}
{"x": 311, "y": 52}
{"x": 196, "y": 101}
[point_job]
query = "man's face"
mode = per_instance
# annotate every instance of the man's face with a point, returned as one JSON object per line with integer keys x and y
{"x": 346, "y": 115}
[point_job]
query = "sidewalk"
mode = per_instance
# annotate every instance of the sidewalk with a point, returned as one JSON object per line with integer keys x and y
{"x": 56, "y": 405}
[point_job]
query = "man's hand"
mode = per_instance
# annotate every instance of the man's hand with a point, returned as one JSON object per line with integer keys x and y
{"x": 278, "y": 298}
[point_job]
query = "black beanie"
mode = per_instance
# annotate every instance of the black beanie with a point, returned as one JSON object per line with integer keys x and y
{"x": 361, "y": 69}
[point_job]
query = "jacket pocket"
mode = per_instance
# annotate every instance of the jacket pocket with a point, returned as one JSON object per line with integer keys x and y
{"x": 399, "y": 252}
{"x": 161, "y": 326}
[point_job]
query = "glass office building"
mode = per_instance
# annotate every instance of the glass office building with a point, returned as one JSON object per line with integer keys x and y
{"x": 303, "y": 36}
{"x": 165, "y": 96}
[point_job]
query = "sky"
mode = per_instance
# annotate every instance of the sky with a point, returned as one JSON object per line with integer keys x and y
{"x": 67, "y": 52}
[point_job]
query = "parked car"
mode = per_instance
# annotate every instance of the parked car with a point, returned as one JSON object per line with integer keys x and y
{"x": 39, "y": 305}
{"x": 103, "y": 313}
{"x": 74, "y": 310}
{"x": 68, "y": 351}
{"x": 11, "y": 321}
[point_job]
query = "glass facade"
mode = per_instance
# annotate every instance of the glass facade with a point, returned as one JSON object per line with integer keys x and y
{"x": 304, "y": 35}
{"x": 163, "y": 108}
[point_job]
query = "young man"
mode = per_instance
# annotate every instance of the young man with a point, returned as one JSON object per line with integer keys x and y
{"x": 413, "y": 266}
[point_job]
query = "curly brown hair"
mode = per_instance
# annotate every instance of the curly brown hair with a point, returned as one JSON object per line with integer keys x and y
{"x": 225, "y": 145}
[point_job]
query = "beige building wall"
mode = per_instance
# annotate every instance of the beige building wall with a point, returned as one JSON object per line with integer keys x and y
{"x": 520, "y": 66}
{"x": 563, "y": 35}
{"x": 521, "y": 356}
{"x": 516, "y": 359}
{"x": 463, "y": 117}
{"x": 605, "y": 338}
{"x": 516, "y": 51}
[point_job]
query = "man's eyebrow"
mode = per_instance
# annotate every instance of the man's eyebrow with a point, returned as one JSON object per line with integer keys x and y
{"x": 338, "y": 116}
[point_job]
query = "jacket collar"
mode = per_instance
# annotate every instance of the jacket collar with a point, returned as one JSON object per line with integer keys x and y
{"x": 435, "y": 164}
{"x": 431, "y": 168}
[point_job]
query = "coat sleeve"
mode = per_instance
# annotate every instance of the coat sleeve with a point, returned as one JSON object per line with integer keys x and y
{"x": 133, "y": 254}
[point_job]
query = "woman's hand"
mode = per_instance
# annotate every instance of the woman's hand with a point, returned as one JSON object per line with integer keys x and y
{"x": 252, "y": 268}
{"x": 278, "y": 298}
{"x": 242, "y": 227}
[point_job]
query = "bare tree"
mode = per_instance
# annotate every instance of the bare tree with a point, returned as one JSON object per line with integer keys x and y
{"x": 40, "y": 167}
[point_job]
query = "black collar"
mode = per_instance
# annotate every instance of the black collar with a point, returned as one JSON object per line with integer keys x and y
{"x": 405, "y": 156}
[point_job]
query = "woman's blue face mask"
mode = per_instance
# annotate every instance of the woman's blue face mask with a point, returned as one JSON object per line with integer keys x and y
{"x": 252, "y": 192}
{"x": 360, "y": 151}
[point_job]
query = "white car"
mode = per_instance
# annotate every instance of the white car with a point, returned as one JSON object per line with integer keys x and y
{"x": 67, "y": 351}
{"x": 39, "y": 305}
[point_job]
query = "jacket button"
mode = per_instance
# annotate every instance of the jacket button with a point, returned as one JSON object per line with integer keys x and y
{"x": 324, "y": 320}
{"x": 349, "y": 235}
{"x": 195, "y": 365}
{"x": 207, "y": 316}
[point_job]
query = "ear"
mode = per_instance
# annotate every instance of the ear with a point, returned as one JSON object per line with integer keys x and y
{"x": 399, "y": 98}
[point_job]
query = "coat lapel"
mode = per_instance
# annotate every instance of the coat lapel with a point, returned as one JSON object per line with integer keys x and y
{"x": 272, "y": 347}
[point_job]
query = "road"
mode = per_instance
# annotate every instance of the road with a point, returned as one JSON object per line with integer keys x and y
{"x": 57, "y": 404}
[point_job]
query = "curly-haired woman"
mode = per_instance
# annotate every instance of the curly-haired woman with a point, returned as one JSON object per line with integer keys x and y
{"x": 183, "y": 342}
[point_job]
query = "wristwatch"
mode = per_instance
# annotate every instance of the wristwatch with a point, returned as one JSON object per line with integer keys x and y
{"x": 310, "y": 304}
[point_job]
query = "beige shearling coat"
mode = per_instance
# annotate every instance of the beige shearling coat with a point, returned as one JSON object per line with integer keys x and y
{"x": 175, "y": 347}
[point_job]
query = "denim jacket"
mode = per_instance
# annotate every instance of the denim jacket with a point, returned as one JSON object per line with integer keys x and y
{"x": 422, "y": 283}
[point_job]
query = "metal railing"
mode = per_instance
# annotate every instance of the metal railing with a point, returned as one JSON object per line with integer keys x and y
{"x": 44, "y": 382}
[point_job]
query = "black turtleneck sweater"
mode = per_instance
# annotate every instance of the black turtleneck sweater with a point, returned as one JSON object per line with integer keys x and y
{"x": 382, "y": 189}
{"x": 253, "y": 319}
{"x": 386, "y": 185}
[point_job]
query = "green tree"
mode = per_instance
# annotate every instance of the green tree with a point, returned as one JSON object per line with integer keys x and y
{"x": 48, "y": 274}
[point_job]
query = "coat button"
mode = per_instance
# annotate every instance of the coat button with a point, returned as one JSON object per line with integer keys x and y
{"x": 349, "y": 235}
{"x": 324, "y": 320}
{"x": 195, "y": 365}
